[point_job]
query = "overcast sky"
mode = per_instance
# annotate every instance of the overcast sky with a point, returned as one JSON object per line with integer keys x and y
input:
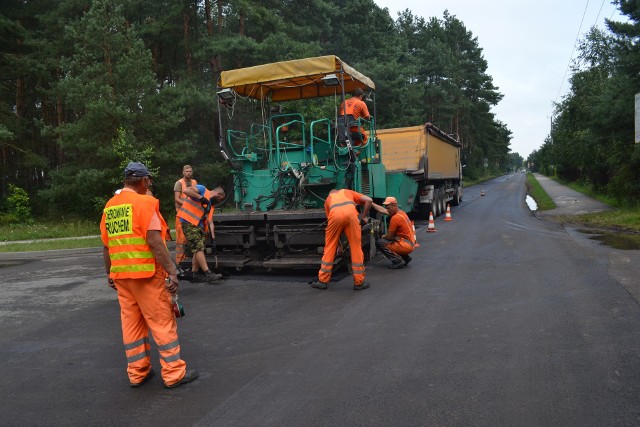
{"x": 527, "y": 46}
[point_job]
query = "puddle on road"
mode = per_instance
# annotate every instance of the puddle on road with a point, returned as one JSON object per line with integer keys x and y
{"x": 12, "y": 263}
{"x": 615, "y": 240}
{"x": 532, "y": 203}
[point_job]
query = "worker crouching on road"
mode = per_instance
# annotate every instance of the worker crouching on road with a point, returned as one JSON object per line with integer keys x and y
{"x": 342, "y": 215}
{"x": 138, "y": 262}
{"x": 196, "y": 215}
{"x": 400, "y": 240}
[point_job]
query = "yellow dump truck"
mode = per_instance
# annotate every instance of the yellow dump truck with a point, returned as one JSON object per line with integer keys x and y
{"x": 431, "y": 158}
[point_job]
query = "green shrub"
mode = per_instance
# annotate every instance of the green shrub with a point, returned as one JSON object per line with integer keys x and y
{"x": 18, "y": 204}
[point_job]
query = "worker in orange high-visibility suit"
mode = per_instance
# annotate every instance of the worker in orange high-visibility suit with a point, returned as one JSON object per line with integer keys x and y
{"x": 356, "y": 107}
{"x": 342, "y": 215}
{"x": 138, "y": 262}
{"x": 400, "y": 239}
{"x": 179, "y": 197}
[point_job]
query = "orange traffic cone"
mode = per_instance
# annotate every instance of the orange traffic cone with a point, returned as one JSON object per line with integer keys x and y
{"x": 415, "y": 236}
{"x": 482, "y": 192}
{"x": 447, "y": 217}
{"x": 431, "y": 228}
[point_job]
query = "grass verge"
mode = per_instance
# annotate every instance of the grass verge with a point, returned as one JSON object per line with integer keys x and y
{"x": 48, "y": 230}
{"x": 619, "y": 219}
{"x": 535, "y": 190}
{"x": 49, "y": 245}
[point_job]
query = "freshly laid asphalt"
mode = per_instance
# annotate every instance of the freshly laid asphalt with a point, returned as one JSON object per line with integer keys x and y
{"x": 501, "y": 319}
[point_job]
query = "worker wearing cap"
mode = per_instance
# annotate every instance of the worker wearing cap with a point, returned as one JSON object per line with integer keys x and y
{"x": 196, "y": 216}
{"x": 342, "y": 215}
{"x": 356, "y": 107}
{"x": 400, "y": 240}
{"x": 138, "y": 262}
{"x": 178, "y": 194}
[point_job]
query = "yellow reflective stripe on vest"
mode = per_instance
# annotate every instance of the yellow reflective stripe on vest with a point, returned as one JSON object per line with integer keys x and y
{"x": 127, "y": 241}
{"x": 133, "y": 268}
{"x": 132, "y": 255}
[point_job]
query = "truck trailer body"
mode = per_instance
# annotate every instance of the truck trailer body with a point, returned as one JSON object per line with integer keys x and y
{"x": 431, "y": 158}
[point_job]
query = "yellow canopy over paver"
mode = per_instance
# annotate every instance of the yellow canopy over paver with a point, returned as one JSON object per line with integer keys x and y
{"x": 291, "y": 80}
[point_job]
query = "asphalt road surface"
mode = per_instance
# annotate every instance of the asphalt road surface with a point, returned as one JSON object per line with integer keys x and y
{"x": 502, "y": 319}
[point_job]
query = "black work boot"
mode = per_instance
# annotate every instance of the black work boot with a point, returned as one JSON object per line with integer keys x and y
{"x": 360, "y": 287}
{"x": 406, "y": 258}
{"x": 189, "y": 376}
{"x": 211, "y": 277}
{"x": 318, "y": 285}
{"x": 396, "y": 264}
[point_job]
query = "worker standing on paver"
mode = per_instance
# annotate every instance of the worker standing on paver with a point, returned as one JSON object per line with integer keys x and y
{"x": 400, "y": 239}
{"x": 342, "y": 215}
{"x": 140, "y": 269}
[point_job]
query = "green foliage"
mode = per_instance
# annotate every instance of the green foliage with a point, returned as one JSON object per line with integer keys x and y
{"x": 105, "y": 82}
{"x": 538, "y": 194}
{"x": 591, "y": 140}
{"x": 18, "y": 207}
{"x": 47, "y": 229}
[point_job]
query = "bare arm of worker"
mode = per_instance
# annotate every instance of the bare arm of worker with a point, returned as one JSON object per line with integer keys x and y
{"x": 177, "y": 199}
{"x": 366, "y": 201}
{"x": 107, "y": 266}
{"x": 155, "y": 240}
{"x": 389, "y": 236}
{"x": 193, "y": 193}
{"x": 378, "y": 208}
{"x": 213, "y": 234}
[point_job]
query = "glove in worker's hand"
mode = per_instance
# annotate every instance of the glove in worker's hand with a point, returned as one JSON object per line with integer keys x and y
{"x": 204, "y": 200}
{"x": 364, "y": 221}
{"x": 212, "y": 244}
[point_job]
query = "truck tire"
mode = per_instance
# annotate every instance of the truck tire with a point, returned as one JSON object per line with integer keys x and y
{"x": 437, "y": 210}
{"x": 456, "y": 196}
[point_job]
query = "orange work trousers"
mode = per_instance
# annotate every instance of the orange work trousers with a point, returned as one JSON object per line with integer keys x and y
{"x": 145, "y": 305}
{"x": 400, "y": 247}
{"x": 342, "y": 220}
{"x": 181, "y": 242}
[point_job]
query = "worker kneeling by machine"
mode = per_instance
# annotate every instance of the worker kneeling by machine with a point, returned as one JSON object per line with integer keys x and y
{"x": 400, "y": 240}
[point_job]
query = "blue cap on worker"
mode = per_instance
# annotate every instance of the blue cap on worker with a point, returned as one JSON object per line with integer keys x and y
{"x": 136, "y": 169}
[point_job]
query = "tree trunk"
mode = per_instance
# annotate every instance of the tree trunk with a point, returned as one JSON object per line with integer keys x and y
{"x": 207, "y": 13}
{"x": 187, "y": 49}
{"x": 19, "y": 84}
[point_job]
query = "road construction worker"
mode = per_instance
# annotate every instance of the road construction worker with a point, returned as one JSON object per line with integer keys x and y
{"x": 196, "y": 217}
{"x": 342, "y": 215}
{"x": 400, "y": 239}
{"x": 179, "y": 196}
{"x": 356, "y": 107}
{"x": 140, "y": 269}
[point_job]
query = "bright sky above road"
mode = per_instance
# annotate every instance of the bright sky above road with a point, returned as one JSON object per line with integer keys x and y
{"x": 528, "y": 46}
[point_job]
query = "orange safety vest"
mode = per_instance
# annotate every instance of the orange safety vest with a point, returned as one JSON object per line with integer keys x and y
{"x": 124, "y": 225}
{"x": 183, "y": 183}
{"x": 411, "y": 237}
{"x": 192, "y": 211}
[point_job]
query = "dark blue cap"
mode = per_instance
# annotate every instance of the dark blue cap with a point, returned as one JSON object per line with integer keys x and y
{"x": 136, "y": 169}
